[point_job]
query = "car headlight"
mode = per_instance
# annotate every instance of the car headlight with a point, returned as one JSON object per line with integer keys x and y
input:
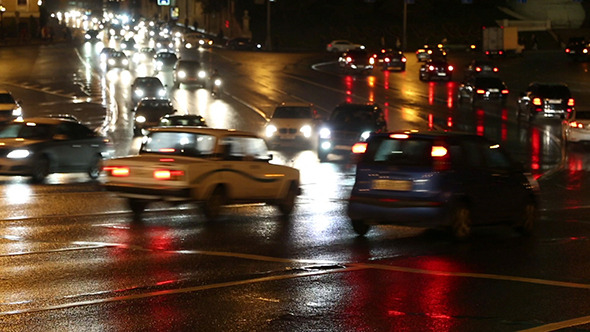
{"x": 271, "y": 130}
{"x": 306, "y": 131}
{"x": 111, "y": 62}
{"x": 188, "y": 45}
{"x": 365, "y": 135}
{"x": 202, "y": 74}
{"x": 125, "y": 62}
{"x": 325, "y": 133}
{"x": 181, "y": 74}
{"x": 217, "y": 82}
{"x": 139, "y": 93}
{"x": 17, "y": 111}
{"x": 162, "y": 93}
{"x": 18, "y": 154}
{"x": 140, "y": 119}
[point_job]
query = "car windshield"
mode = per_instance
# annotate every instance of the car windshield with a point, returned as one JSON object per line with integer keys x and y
{"x": 353, "y": 119}
{"x": 6, "y": 98}
{"x": 149, "y": 83}
{"x": 179, "y": 143}
{"x": 183, "y": 121}
{"x": 27, "y": 130}
{"x": 292, "y": 112}
{"x": 401, "y": 152}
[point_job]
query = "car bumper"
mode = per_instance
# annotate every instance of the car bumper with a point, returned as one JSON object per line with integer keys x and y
{"x": 578, "y": 136}
{"x": 150, "y": 193}
{"x": 407, "y": 213}
{"x": 15, "y": 166}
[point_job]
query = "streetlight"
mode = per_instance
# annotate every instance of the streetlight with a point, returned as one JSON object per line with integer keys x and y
{"x": 268, "y": 39}
{"x": 2, "y": 10}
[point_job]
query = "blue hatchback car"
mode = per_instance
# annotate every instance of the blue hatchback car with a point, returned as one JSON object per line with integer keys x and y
{"x": 433, "y": 179}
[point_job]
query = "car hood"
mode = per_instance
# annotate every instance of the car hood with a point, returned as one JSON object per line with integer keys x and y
{"x": 291, "y": 122}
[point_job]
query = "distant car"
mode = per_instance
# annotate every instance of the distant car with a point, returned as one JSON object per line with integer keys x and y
{"x": 37, "y": 147}
{"x": 426, "y": 53}
{"x": 578, "y": 49}
{"x": 10, "y": 108}
{"x": 349, "y": 123}
{"x": 577, "y": 128}
{"x": 144, "y": 55}
{"x": 195, "y": 40}
{"x": 292, "y": 123}
{"x": 211, "y": 167}
{"x": 92, "y": 35}
{"x": 391, "y": 59}
{"x": 546, "y": 100}
{"x": 356, "y": 61}
{"x": 182, "y": 120}
{"x": 105, "y": 54}
{"x": 117, "y": 59}
{"x": 481, "y": 67}
{"x": 190, "y": 72}
{"x": 148, "y": 112}
{"x": 438, "y": 69}
{"x": 129, "y": 45}
{"x": 163, "y": 44}
{"x": 164, "y": 61}
{"x": 341, "y": 46}
{"x": 147, "y": 87}
{"x": 243, "y": 44}
{"x": 483, "y": 88}
{"x": 434, "y": 179}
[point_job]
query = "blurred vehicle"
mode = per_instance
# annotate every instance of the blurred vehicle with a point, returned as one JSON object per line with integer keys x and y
{"x": 164, "y": 61}
{"x": 129, "y": 45}
{"x": 391, "y": 59}
{"x": 349, "y": 123}
{"x": 426, "y": 53}
{"x": 215, "y": 84}
{"x": 356, "y": 61}
{"x": 212, "y": 167}
{"x": 341, "y": 46}
{"x": 105, "y": 53}
{"x": 147, "y": 87}
{"x": 435, "y": 69}
{"x": 292, "y": 123}
{"x": 10, "y": 108}
{"x": 501, "y": 41}
{"x": 144, "y": 55}
{"x": 189, "y": 72}
{"x": 483, "y": 88}
{"x": 433, "y": 179}
{"x": 37, "y": 147}
{"x": 195, "y": 40}
{"x": 577, "y": 128}
{"x": 243, "y": 44}
{"x": 578, "y": 49}
{"x": 481, "y": 67}
{"x": 148, "y": 112}
{"x": 546, "y": 100}
{"x": 92, "y": 36}
{"x": 163, "y": 44}
{"x": 183, "y": 120}
{"x": 117, "y": 59}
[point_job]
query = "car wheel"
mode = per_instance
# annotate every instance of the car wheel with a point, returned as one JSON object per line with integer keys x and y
{"x": 137, "y": 206}
{"x": 95, "y": 167}
{"x": 460, "y": 220}
{"x": 360, "y": 227}
{"x": 528, "y": 218}
{"x": 214, "y": 204}
{"x": 323, "y": 156}
{"x": 40, "y": 169}
{"x": 287, "y": 204}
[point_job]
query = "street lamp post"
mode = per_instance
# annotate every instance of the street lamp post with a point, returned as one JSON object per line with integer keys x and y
{"x": 2, "y": 10}
{"x": 405, "y": 26}
{"x": 268, "y": 37}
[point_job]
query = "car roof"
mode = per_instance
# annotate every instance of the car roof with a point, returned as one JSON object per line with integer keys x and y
{"x": 434, "y": 134}
{"x": 295, "y": 104}
{"x": 45, "y": 120}
{"x": 204, "y": 130}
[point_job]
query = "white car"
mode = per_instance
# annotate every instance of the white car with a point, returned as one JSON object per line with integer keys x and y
{"x": 10, "y": 108}
{"x": 292, "y": 123}
{"x": 342, "y": 46}
{"x": 196, "y": 40}
{"x": 577, "y": 128}
{"x": 212, "y": 167}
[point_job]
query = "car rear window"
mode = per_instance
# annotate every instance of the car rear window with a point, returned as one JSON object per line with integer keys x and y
{"x": 400, "y": 152}
{"x": 179, "y": 143}
{"x": 554, "y": 91}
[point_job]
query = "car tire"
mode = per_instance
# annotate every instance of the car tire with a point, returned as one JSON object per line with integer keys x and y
{"x": 528, "y": 218}
{"x": 460, "y": 221}
{"x": 137, "y": 206}
{"x": 214, "y": 204}
{"x": 360, "y": 227}
{"x": 40, "y": 169}
{"x": 287, "y": 204}
{"x": 95, "y": 167}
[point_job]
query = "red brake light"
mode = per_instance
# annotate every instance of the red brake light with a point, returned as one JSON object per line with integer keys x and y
{"x": 359, "y": 148}
{"x": 441, "y": 158}
{"x": 477, "y": 68}
{"x": 495, "y": 70}
{"x": 399, "y": 136}
{"x": 404, "y": 59}
{"x": 505, "y": 91}
{"x": 567, "y": 50}
{"x": 166, "y": 174}
{"x": 386, "y": 60}
{"x": 167, "y": 150}
{"x": 537, "y": 101}
{"x": 571, "y": 102}
{"x": 574, "y": 124}
{"x": 480, "y": 91}
{"x": 118, "y": 171}
{"x": 431, "y": 67}
{"x": 451, "y": 68}
{"x": 348, "y": 59}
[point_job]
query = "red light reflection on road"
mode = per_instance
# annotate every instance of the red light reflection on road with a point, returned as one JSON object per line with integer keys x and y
{"x": 450, "y": 94}
{"x": 386, "y": 79}
{"x": 431, "y": 86}
{"x": 479, "y": 126}
{"x": 535, "y": 149}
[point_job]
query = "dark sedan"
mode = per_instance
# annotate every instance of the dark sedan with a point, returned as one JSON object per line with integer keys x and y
{"x": 436, "y": 69}
{"x": 189, "y": 72}
{"x": 392, "y": 60}
{"x": 37, "y": 147}
{"x": 148, "y": 113}
{"x": 483, "y": 88}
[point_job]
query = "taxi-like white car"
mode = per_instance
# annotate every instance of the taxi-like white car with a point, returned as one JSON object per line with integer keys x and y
{"x": 212, "y": 167}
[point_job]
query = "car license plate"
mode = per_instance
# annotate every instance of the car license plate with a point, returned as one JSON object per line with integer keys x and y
{"x": 494, "y": 90}
{"x": 343, "y": 147}
{"x": 442, "y": 74}
{"x": 398, "y": 185}
{"x": 554, "y": 101}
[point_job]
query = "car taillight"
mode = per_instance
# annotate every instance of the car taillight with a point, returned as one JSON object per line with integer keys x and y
{"x": 451, "y": 68}
{"x": 167, "y": 174}
{"x": 431, "y": 67}
{"x": 359, "y": 148}
{"x": 372, "y": 60}
{"x": 167, "y": 150}
{"x": 567, "y": 50}
{"x": 537, "y": 101}
{"x": 478, "y": 69}
{"x": 495, "y": 70}
{"x": 480, "y": 91}
{"x": 575, "y": 124}
{"x": 404, "y": 59}
{"x": 505, "y": 91}
{"x": 386, "y": 60}
{"x": 440, "y": 156}
{"x": 118, "y": 171}
{"x": 348, "y": 59}
{"x": 571, "y": 102}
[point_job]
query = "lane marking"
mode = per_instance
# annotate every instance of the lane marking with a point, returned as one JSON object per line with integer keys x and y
{"x": 559, "y": 325}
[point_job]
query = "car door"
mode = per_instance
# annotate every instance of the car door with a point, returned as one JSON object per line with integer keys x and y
{"x": 76, "y": 147}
